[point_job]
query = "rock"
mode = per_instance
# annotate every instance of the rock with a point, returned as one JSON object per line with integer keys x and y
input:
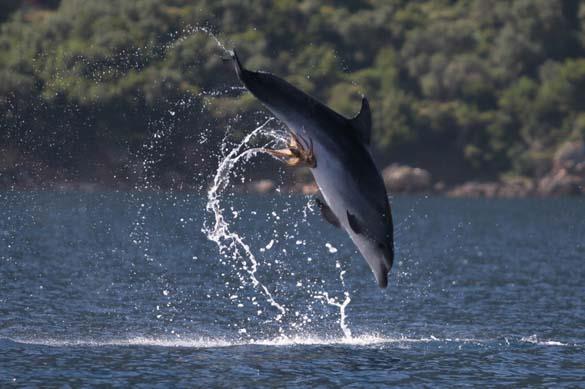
{"x": 561, "y": 183}
{"x": 261, "y": 186}
{"x": 440, "y": 187}
{"x": 306, "y": 188}
{"x": 509, "y": 187}
{"x": 517, "y": 187}
{"x": 567, "y": 176}
{"x": 475, "y": 189}
{"x": 309, "y": 189}
{"x": 406, "y": 179}
{"x": 571, "y": 157}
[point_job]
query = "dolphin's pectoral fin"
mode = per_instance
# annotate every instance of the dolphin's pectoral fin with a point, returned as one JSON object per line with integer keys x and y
{"x": 362, "y": 122}
{"x": 354, "y": 224}
{"x": 327, "y": 213}
{"x": 299, "y": 152}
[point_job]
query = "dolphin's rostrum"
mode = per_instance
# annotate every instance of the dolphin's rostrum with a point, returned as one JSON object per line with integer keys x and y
{"x": 336, "y": 149}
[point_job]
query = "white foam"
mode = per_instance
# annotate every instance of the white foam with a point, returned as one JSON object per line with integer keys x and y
{"x": 132, "y": 341}
{"x": 534, "y": 340}
{"x": 204, "y": 342}
{"x": 364, "y": 340}
{"x": 367, "y": 340}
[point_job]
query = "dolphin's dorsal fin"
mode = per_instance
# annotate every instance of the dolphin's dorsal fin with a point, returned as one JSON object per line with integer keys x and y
{"x": 362, "y": 122}
{"x": 327, "y": 213}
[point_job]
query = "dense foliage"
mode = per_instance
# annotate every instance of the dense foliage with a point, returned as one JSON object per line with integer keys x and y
{"x": 464, "y": 88}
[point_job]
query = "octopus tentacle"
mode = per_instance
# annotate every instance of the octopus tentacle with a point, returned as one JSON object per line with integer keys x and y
{"x": 299, "y": 152}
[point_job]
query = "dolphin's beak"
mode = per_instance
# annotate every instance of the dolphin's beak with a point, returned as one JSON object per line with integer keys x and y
{"x": 386, "y": 260}
{"x": 388, "y": 254}
{"x": 379, "y": 257}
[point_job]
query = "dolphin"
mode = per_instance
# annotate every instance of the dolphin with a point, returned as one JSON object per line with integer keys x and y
{"x": 336, "y": 149}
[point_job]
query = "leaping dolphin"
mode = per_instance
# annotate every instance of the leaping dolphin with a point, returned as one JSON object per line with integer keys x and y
{"x": 336, "y": 150}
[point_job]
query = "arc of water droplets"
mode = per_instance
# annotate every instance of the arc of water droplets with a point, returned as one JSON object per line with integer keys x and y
{"x": 190, "y": 30}
{"x": 324, "y": 296}
{"x": 220, "y": 232}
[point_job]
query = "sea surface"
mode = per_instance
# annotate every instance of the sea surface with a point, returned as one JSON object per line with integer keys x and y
{"x": 127, "y": 289}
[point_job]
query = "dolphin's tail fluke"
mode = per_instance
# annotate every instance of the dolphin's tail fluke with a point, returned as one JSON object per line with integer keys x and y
{"x": 240, "y": 70}
{"x": 249, "y": 78}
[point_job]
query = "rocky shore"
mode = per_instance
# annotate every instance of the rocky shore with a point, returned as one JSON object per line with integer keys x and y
{"x": 566, "y": 177}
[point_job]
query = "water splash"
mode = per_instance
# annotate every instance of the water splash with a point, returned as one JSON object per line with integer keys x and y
{"x": 147, "y": 158}
{"x": 190, "y": 30}
{"x": 334, "y": 301}
{"x": 233, "y": 247}
{"x": 229, "y": 242}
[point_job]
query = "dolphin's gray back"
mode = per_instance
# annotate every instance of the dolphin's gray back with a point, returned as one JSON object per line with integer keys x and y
{"x": 304, "y": 114}
{"x": 289, "y": 104}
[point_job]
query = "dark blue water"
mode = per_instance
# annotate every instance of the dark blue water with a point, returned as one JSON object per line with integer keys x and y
{"x": 126, "y": 289}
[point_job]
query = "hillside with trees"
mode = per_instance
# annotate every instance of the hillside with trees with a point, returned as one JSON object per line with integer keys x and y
{"x": 466, "y": 89}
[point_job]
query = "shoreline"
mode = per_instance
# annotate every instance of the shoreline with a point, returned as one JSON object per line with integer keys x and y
{"x": 468, "y": 189}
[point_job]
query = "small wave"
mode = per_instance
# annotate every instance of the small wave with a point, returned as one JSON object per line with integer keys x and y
{"x": 133, "y": 341}
{"x": 371, "y": 340}
{"x": 534, "y": 340}
{"x": 190, "y": 342}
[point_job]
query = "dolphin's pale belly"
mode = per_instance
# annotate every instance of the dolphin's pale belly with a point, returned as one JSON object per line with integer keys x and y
{"x": 343, "y": 195}
{"x": 340, "y": 189}
{"x": 336, "y": 184}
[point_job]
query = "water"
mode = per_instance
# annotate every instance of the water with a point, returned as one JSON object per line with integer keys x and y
{"x": 126, "y": 289}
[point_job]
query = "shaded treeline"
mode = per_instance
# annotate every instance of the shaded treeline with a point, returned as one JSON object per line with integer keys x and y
{"x": 463, "y": 88}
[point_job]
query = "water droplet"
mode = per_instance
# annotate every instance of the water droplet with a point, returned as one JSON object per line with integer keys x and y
{"x": 330, "y": 248}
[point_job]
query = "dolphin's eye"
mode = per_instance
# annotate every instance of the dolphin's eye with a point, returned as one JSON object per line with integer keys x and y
{"x": 381, "y": 246}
